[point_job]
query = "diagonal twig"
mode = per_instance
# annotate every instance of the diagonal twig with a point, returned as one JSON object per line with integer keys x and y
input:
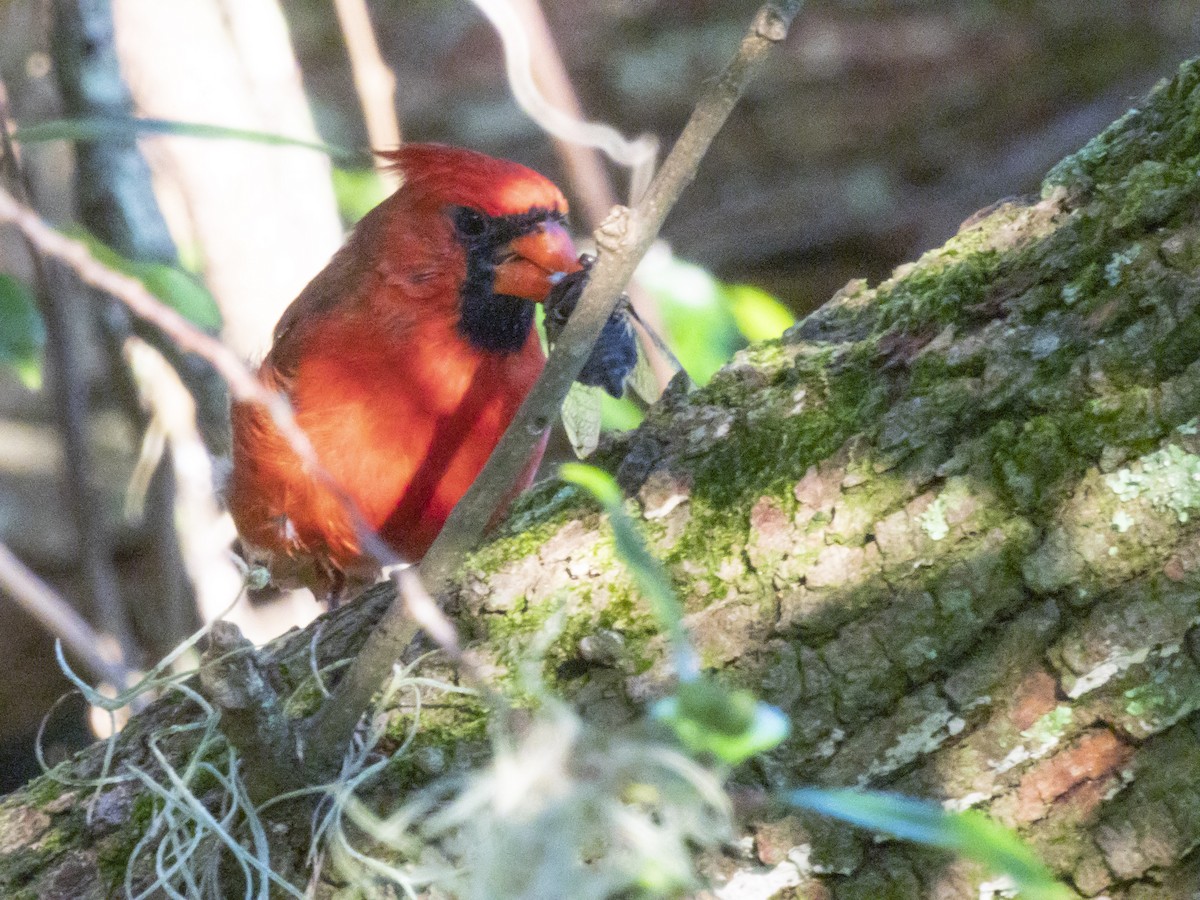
{"x": 622, "y": 242}
{"x": 38, "y": 599}
{"x": 64, "y": 351}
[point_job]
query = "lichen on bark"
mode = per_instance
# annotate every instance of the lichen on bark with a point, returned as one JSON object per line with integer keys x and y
{"x": 947, "y": 524}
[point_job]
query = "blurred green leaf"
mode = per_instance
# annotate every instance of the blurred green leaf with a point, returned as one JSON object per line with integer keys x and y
{"x": 619, "y": 415}
{"x": 759, "y": 316}
{"x": 173, "y": 286}
{"x": 600, "y": 485}
{"x": 358, "y": 191}
{"x": 181, "y": 292}
{"x": 706, "y": 320}
{"x": 970, "y": 833}
{"x": 118, "y": 128}
{"x": 648, "y": 573}
{"x": 22, "y": 333}
{"x": 731, "y": 725}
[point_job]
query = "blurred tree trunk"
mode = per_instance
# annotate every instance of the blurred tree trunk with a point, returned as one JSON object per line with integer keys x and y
{"x": 117, "y": 204}
{"x": 948, "y": 525}
{"x": 263, "y": 218}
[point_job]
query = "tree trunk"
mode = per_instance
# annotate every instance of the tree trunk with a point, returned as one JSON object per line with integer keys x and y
{"x": 947, "y": 525}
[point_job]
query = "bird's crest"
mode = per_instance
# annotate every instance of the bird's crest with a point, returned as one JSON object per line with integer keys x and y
{"x": 452, "y": 176}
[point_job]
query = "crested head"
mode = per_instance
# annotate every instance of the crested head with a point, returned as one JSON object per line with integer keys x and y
{"x": 508, "y": 222}
{"x": 452, "y": 176}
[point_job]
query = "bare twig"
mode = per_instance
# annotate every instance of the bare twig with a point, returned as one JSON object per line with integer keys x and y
{"x": 622, "y": 243}
{"x": 373, "y": 80}
{"x": 118, "y": 205}
{"x": 65, "y": 352}
{"x": 59, "y": 618}
{"x": 203, "y": 533}
{"x": 621, "y": 246}
{"x": 140, "y": 301}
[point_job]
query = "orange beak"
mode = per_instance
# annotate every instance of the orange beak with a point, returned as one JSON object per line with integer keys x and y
{"x": 538, "y": 261}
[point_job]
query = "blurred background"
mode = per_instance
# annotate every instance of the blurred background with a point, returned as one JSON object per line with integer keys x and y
{"x": 872, "y": 134}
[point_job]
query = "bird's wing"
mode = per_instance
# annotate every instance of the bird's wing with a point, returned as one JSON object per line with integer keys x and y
{"x": 347, "y": 274}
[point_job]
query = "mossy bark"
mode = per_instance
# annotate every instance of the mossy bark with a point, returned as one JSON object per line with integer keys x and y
{"x": 948, "y": 524}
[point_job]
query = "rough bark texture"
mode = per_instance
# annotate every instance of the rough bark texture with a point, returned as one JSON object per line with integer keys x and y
{"x": 947, "y": 524}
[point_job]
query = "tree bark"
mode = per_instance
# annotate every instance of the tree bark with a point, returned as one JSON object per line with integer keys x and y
{"x": 947, "y": 525}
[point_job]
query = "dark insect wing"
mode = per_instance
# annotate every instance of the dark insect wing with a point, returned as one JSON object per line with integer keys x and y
{"x": 615, "y": 353}
{"x": 643, "y": 379}
{"x": 614, "y": 356}
{"x": 621, "y": 353}
{"x": 619, "y": 357}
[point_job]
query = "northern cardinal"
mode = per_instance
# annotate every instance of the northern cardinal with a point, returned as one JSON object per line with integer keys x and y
{"x": 404, "y": 360}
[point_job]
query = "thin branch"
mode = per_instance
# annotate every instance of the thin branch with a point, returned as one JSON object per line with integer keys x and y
{"x": 587, "y": 176}
{"x": 138, "y": 299}
{"x": 621, "y": 246}
{"x": 373, "y": 80}
{"x": 118, "y": 205}
{"x": 58, "y": 617}
{"x": 622, "y": 243}
{"x": 203, "y": 533}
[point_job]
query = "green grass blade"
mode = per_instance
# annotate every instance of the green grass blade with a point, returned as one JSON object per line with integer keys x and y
{"x": 113, "y": 128}
{"x": 970, "y": 834}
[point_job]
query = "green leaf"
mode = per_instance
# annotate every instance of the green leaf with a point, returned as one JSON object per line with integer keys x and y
{"x": 619, "y": 415}
{"x": 970, "y": 833}
{"x": 598, "y": 483}
{"x": 731, "y": 725}
{"x": 116, "y": 128}
{"x": 706, "y": 717}
{"x": 648, "y": 573}
{"x": 173, "y": 286}
{"x": 706, "y": 320}
{"x": 181, "y": 292}
{"x": 22, "y": 333}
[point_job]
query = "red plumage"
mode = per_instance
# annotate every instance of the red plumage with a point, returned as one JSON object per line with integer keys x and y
{"x": 404, "y": 360}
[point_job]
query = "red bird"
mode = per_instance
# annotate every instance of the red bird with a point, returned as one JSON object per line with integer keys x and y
{"x": 404, "y": 360}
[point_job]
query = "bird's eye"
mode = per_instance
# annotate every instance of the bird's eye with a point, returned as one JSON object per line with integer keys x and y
{"x": 470, "y": 223}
